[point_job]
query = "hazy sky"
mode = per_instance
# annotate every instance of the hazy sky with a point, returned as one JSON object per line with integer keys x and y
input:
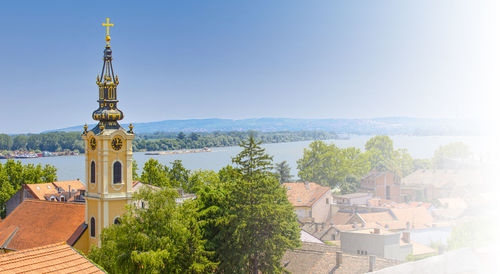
{"x": 243, "y": 59}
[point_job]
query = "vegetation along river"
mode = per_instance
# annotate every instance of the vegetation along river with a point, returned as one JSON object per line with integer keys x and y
{"x": 72, "y": 167}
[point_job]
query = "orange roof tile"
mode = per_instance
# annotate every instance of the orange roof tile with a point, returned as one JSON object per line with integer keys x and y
{"x": 54, "y": 258}
{"x": 341, "y": 218}
{"x": 75, "y": 184}
{"x": 376, "y": 217}
{"x": 42, "y": 222}
{"x": 418, "y": 217}
{"x": 40, "y": 190}
{"x": 305, "y": 194}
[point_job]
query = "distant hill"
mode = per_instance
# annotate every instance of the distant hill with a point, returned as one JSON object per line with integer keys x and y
{"x": 389, "y": 126}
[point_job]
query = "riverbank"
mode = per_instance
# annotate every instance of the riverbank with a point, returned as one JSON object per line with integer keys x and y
{"x": 182, "y": 151}
{"x": 18, "y": 154}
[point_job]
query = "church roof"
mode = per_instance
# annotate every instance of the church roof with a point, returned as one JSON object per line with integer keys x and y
{"x": 36, "y": 223}
{"x": 54, "y": 258}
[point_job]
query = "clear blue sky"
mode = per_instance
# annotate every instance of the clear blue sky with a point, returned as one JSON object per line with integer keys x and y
{"x": 243, "y": 59}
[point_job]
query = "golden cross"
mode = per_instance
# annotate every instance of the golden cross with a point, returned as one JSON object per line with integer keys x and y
{"x": 107, "y": 25}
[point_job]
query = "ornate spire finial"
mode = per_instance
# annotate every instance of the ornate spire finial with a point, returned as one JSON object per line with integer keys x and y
{"x": 107, "y": 25}
{"x": 131, "y": 128}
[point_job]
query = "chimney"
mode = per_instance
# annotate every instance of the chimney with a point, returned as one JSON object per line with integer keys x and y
{"x": 406, "y": 237}
{"x": 408, "y": 226}
{"x": 371, "y": 263}
{"x": 376, "y": 231}
{"x": 339, "y": 258}
{"x": 306, "y": 184}
{"x": 69, "y": 195}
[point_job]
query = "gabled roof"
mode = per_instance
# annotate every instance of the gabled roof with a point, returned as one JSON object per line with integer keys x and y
{"x": 306, "y": 237}
{"x": 75, "y": 184}
{"x": 304, "y": 194}
{"x": 353, "y": 195}
{"x": 443, "y": 177}
{"x": 321, "y": 258}
{"x": 376, "y": 217}
{"x": 41, "y": 223}
{"x": 341, "y": 218}
{"x": 39, "y": 191}
{"x": 55, "y": 258}
{"x": 42, "y": 191}
{"x": 417, "y": 217}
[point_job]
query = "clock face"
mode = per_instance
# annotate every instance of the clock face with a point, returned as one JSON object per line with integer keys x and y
{"x": 92, "y": 143}
{"x": 117, "y": 143}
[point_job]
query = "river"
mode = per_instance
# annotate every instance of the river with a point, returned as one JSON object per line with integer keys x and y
{"x": 72, "y": 167}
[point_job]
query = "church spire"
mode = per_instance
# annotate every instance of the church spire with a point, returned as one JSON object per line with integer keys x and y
{"x": 107, "y": 114}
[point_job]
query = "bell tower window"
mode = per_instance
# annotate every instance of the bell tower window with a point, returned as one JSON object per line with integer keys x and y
{"x": 117, "y": 173}
{"x": 92, "y": 172}
{"x": 92, "y": 227}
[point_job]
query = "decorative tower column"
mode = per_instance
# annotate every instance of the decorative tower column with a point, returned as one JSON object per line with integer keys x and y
{"x": 108, "y": 156}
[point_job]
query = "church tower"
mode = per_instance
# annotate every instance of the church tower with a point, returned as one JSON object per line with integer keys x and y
{"x": 108, "y": 156}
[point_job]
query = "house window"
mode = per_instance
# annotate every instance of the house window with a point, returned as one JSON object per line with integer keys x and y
{"x": 388, "y": 192}
{"x": 92, "y": 172}
{"x": 92, "y": 227}
{"x": 117, "y": 173}
{"x": 63, "y": 199}
{"x": 326, "y": 200}
{"x": 117, "y": 221}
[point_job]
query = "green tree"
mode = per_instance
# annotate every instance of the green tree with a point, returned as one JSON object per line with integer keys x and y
{"x": 163, "y": 237}
{"x": 332, "y": 166}
{"x": 155, "y": 174}
{"x": 457, "y": 150}
{"x": 13, "y": 174}
{"x": 248, "y": 220}
{"x": 252, "y": 159}
{"x": 283, "y": 172}
{"x": 178, "y": 175}
{"x": 380, "y": 151}
{"x": 19, "y": 142}
{"x": 135, "y": 169}
{"x": 5, "y": 142}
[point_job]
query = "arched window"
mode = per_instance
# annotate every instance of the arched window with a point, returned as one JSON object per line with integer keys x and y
{"x": 92, "y": 227}
{"x": 117, "y": 221}
{"x": 92, "y": 172}
{"x": 117, "y": 173}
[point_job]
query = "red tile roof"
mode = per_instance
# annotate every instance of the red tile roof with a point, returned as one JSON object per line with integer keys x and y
{"x": 42, "y": 222}
{"x": 75, "y": 184}
{"x": 46, "y": 190}
{"x": 40, "y": 190}
{"x": 341, "y": 218}
{"x": 417, "y": 217}
{"x": 305, "y": 194}
{"x": 376, "y": 217}
{"x": 55, "y": 258}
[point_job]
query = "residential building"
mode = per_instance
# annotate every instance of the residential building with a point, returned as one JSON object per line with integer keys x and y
{"x": 54, "y": 258}
{"x": 312, "y": 202}
{"x": 432, "y": 184}
{"x": 358, "y": 198}
{"x": 61, "y": 191}
{"x": 37, "y": 223}
{"x": 326, "y": 259}
{"x": 378, "y": 242}
{"x": 384, "y": 185}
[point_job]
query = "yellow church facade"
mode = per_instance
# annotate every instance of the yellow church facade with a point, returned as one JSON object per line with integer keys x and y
{"x": 108, "y": 159}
